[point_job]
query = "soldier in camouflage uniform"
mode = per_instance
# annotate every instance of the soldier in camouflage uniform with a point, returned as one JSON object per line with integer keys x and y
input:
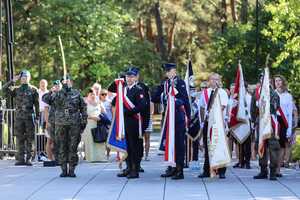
{"x": 50, "y": 120}
{"x": 272, "y": 146}
{"x": 27, "y": 111}
{"x": 70, "y": 121}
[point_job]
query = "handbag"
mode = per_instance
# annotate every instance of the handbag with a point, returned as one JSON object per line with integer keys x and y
{"x": 100, "y": 133}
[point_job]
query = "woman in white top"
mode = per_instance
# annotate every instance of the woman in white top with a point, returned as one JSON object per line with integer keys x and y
{"x": 94, "y": 152}
{"x": 285, "y": 117}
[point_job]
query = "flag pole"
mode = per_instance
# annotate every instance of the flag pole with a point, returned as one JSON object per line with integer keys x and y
{"x": 63, "y": 57}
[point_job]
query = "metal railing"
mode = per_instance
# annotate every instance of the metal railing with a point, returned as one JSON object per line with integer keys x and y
{"x": 7, "y": 138}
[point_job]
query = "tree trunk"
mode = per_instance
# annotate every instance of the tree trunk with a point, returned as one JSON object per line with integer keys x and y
{"x": 149, "y": 30}
{"x": 141, "y": 28}
{"x": 223, "y": 16}
{"x": 171, "y": 35}
{"x": 233, "y": 10}
{"x": 160, "y": 35}
{"x": 244, "y": 12}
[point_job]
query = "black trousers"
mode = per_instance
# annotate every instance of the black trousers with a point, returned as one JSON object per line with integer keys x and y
{"x": 245, "y": 152}
{"x": 206, "y": 166}
{"x": 133, "y": 143}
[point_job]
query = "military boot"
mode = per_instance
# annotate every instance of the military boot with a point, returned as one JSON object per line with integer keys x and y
{"x": 64, "y": 169}
{"x": 273, "y": 174}
{"x": 262, "y": 175}
{"x": 72, "y": 171}
{"x": 169, "y": 172}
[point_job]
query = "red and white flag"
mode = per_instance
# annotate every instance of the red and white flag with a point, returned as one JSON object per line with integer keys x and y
{"x": 239, "y": 117}
{"x": 168, "y": 129}
{"x": 265, "y": 119}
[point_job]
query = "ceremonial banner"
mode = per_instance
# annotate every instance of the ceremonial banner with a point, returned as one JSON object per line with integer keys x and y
{"x": 194, "y": 125}
{"x": 239, "y": 117}
{"x": 218, "y": 151}
{"x": 116, "y": 138}
{"x": 265, "y": 121}
{"x": 167, "y": 142}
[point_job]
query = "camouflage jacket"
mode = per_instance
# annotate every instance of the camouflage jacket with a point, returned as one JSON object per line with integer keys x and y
{"x": 69, "y": 107}
{"x": 26, "y": 99}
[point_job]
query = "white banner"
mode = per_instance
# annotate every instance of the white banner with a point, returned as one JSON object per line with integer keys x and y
{"x": 218, "y": 150}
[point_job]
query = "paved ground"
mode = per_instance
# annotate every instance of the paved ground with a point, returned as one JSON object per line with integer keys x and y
{"x": 99, "y": 182}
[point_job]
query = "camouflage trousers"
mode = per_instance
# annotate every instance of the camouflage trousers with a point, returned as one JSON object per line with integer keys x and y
{"x": 24, "y": 132}
{"x": 272, "y": 150}
{"x": 69, "y": 138}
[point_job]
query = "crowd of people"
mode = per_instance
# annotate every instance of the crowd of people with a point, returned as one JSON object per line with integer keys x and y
{"x": 67, "y": 118}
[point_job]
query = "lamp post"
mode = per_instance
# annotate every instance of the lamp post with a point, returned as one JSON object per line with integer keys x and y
{"x": 257, "y": 34}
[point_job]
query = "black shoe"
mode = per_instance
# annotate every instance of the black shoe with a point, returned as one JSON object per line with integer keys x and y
{"x": 222, "y": 176}
{"x": 133, "y": 175}
{"x": 273, "y": 177}
{"x": 64, "y": 171}
{"x": 63, "y": 174}
{"x": 20, "y": 163}
{"x": 124, "y": 173}
{"x": 28, "y": 163}
{"x": 72, "y": 174}
{"x": 237, "y": 165}
{"x": 261, "y": 176}
{"x": 247, "y": 166}
{"x": 204, "y": 175}
{"x": 141, "y": 170}
{"x": 169, "y": 172}
{"x": 178, "y": 176}
{"x": 279, "y": 175}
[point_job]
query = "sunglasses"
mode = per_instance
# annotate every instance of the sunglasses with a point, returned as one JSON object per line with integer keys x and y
{"x": 104, "y": 94}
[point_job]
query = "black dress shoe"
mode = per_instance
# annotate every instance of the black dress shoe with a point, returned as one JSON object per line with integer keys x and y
{"x": 237, "y": 165}
{"x": 133, "y": 175}
{"x": 20, "y": 163}
{"x": 178, "y": 176}
{"x": 28, "y": 163}
{"x": 141, "y": 170}
{"x": 169, "y": 172}
{"x": 261, "y": 176}
{"x": 279, "y": 175}
{"x": 124, "y": 173}
{"x": 204, "y": 175}
{"x": 222, "y": 176}
{"x": 248, "y": 166}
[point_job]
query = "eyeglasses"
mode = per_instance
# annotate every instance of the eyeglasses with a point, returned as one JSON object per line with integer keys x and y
{"x": 104, "y": 94}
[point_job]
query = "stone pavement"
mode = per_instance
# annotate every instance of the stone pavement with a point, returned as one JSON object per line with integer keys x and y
{"x": 98, "y": 181}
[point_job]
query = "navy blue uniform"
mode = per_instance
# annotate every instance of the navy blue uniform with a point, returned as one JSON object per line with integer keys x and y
{"x": 137, "y": 97}
{"x": 182, "y": 109}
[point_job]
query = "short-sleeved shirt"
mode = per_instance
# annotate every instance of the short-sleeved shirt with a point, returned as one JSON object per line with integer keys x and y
{"x": 42, "y": 104}
{"x": 204, "y": 98}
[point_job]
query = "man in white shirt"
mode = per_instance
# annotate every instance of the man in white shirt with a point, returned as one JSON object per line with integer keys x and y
{"x": 204, "y": 104}
{"x": 42, "y": 90}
